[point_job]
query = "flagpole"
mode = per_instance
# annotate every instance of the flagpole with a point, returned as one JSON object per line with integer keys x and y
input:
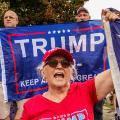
{"x": 115, "y": 71}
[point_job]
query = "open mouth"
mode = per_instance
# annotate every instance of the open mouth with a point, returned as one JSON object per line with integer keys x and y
{"x": 59, "y": 75}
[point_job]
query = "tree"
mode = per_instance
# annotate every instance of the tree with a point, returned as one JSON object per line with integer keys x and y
{"x": 3, "y": 7}
{"x": 36, "y": 12}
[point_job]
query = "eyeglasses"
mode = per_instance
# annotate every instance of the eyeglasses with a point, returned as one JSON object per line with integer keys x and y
{"x": 53, "y": 63}
{"x": 10, "y": 17}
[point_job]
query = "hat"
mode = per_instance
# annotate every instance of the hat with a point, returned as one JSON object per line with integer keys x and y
{"x": 82, "y": 9}
{"x": 57, "y": 51}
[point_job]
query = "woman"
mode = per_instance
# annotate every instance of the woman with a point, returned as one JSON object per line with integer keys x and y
{"x": 66, "y": 100}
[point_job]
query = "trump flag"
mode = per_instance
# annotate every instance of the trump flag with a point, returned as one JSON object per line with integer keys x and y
{"x": 22, "y": 49}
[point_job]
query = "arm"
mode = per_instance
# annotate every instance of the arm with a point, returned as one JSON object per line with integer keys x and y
{"x": 103, "y": 84}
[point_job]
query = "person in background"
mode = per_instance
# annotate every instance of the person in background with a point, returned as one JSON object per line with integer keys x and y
{"x": 66, "y": 100}
{"x": 10, "y": 19}
{"x": 82, "y": 15}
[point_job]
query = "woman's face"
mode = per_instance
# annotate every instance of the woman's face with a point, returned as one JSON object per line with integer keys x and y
{"x": 57, "y": 71}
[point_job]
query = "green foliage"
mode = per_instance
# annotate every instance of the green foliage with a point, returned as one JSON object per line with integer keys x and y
{"x": 34, "y": 12}
{"x": 3, "y": 7}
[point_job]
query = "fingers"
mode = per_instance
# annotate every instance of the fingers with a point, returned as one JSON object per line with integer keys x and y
{"x": 104, "y": 11}
{"x": 108, "y": 15}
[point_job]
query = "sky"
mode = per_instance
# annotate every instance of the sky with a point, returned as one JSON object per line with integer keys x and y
{"x": 95, "y": 6}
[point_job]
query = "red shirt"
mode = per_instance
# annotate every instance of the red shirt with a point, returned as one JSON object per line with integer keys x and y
{"x": 77, "y": 105}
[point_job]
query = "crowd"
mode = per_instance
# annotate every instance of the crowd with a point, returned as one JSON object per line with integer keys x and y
{"x": 63, "y": 100}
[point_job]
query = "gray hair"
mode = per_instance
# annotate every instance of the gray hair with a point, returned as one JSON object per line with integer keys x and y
{"x": 40, "y": 68}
